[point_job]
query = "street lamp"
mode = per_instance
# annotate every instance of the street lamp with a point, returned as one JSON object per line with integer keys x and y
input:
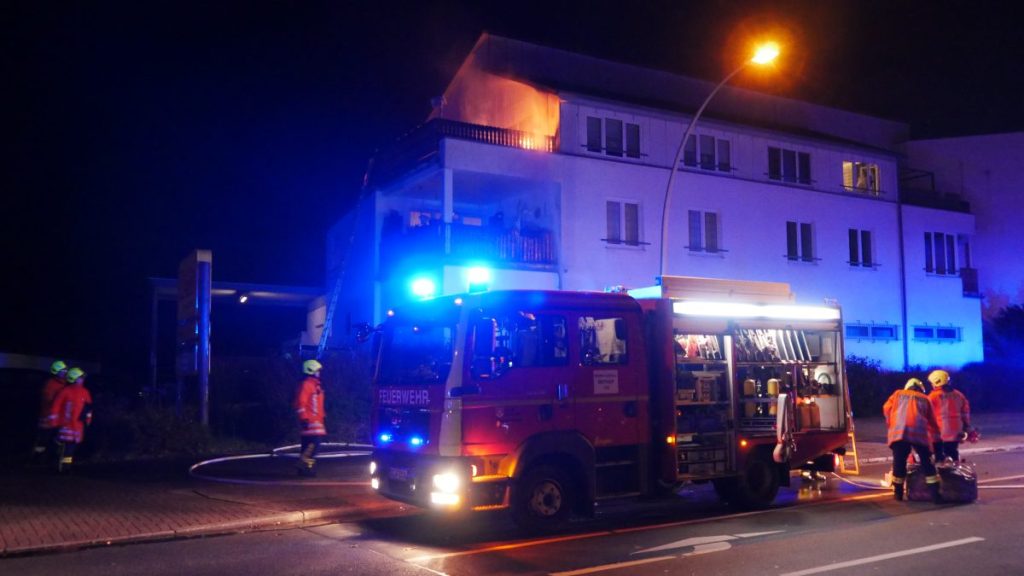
{"x": 764, "y": 55}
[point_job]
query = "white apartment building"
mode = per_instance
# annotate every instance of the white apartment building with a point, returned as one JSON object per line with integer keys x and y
{"x": 549, "y": 169}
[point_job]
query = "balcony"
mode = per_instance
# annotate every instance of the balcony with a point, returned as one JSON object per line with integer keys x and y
{"x": 421, "y": 145}
{"x": 532, "y": 248}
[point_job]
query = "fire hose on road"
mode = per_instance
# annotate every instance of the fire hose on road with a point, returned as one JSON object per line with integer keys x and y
{"x": 341, "y": 450}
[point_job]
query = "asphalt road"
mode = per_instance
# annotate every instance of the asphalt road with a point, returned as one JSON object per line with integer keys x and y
{"x": 834, "y": 529}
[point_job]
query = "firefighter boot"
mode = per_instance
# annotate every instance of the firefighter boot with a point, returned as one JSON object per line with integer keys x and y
{"x": 897, "y": 490}
{"x": 936, "y": 494}
{"x": 307, "y": 464}
{"x": 64, "y": 465}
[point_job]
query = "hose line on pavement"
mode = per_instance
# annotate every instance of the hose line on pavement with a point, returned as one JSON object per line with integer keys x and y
{"x": 347, "y": 450}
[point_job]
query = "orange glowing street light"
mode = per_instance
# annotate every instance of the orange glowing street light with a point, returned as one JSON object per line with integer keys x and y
{"x": 765, "y": 54}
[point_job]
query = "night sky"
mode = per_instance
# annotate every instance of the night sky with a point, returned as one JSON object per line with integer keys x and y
{"x": 139, "y": 131}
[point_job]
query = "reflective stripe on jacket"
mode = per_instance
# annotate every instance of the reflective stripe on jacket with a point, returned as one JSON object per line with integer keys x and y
{"x": 309, "y": 406}
{"x": 909, "y": 416}
{"x": 952, "y": 411}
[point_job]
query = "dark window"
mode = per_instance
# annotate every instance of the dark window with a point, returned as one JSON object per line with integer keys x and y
{"x": 633, "y": 140}
{"x": 928, "y": 266}
{"x": 947, "y": 333}
{"x": 593, "y": 134}
{"x": 614, "y": 217}
{"x": 806, "y": 250}
{"x": 690, "y": 151}
{"x": 950, "y": 254}
{"x": 883, "y": 332}
{"x": 854, "y": 252}
{"x": 711, "y": 231}
{"x": 792, "y": 241}
{"x": 857, "y": 331}
{"x": 613, "y": 137}
{"x": 724, "y": 156}
{"x": 775, "y": 163}
{"x": 923, "y": 333}
{"x": 804, "y": 166}
{"x": 940, "y": 253}
{"x": 865, "y": 247}
{"x": 695, "y": 232}
{"x": 789, "y": 165}
{"x": 707, "y": 152}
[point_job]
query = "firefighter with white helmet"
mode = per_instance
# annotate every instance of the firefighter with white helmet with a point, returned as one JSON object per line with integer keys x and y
{"x": 953, "y": 412}
{"x": 309, "y": 407}
{"x": 911, "y": 427}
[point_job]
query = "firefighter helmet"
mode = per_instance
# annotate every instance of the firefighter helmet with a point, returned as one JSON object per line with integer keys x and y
{"x": 914, "y": 384}
{"x": 58, "y": 367}
{"x": 75, "y": 374}
{"x": 939, "y": 378}
{"x": 311, "y": 367}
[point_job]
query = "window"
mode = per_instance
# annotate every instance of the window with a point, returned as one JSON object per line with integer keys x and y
{"x": 623, "y": 223}
{"x": 708, "y": 152}
{"x": 860, "y": 248}
{"x": 789, "y": 165}
{"x": 594, "y": 135}
{"x": 602, "y": 341}
{"x": 940, "y": 251}
{"x": 606, "y": 135}
{"x": 937, "y": 333}
{"x": 860, "y": 177}
{"x": 633, "y": 140}
{"x": 799, "y": 241}
{"x": 518, "y": 339}
{"x": 704, "y": 231}
{"x": 871, "y": 332}
{"x": 613, "y": 137}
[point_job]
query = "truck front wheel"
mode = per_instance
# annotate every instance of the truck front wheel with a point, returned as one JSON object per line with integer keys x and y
{"x": 542, "y": 498}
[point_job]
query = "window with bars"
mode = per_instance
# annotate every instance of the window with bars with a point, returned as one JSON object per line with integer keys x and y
{"x": 708, "y": 153}
{"x": 937, "y": 333}
{"x": 858, "y": 331}
{"x": 704, "y": 232}
{"x": 861, "y": 249}
{"x": 622, "y": 223}
{"x": 789, "y": 165}
{"x": 799, "y": 241}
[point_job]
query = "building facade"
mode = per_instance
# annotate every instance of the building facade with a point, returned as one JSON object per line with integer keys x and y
{"x": 541, "y": 168}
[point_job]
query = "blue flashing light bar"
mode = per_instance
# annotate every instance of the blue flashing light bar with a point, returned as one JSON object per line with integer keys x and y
{"x": 424, "y": 287}
{"x": 478, "y": 278}
{"x": 385, "y": 437}
{"x": 416, "y": 441}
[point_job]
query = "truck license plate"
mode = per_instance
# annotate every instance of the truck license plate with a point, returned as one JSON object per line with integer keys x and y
{"x": 398, "y": 474}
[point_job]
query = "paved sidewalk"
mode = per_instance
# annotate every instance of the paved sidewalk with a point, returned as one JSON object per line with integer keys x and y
{"x": 116, "y": 504}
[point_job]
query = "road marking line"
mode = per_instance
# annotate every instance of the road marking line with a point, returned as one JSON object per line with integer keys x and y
{"x": 987, "y": 480}
{"x": 615, "y": 566}
{"x": 1005, "y": 486}
{"x": 508, "y": 546}
{"x": 882, "y": 557}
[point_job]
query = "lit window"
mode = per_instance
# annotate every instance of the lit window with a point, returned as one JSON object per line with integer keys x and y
{"x": 861, "y": 177}
{"x": 602, "y": 341}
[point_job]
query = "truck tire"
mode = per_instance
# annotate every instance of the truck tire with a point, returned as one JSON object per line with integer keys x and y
{"x": 542, "y": 499}
{"x": 758, "y": 484}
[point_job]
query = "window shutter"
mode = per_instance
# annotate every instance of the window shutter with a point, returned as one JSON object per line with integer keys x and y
{"x": 806, "y": 246}
{"x": 695, "y": 235}
{"x": 632, "y": 224}
{"x": 711, "y": 231}
{"x": 613, "y": 218}
{"x": 791, "y": 241}
{"x": 865, "y": 247}
{"x": 854, "y": 254}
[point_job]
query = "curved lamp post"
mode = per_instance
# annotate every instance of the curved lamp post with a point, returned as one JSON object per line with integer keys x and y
{"x": 764, "y": 55}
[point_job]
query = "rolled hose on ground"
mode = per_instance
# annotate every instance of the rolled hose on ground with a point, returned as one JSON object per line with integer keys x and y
{"x": 349, "y": 450}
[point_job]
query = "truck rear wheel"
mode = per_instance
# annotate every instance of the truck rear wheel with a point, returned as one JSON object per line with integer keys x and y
{"x": 758, "y": 484}
{"x": 542, "y": 499}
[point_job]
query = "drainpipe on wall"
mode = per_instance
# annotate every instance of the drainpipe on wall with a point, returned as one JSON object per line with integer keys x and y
{"x": 903, "y": 283}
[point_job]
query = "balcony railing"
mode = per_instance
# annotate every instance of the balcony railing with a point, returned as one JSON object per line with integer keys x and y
{"x": 930, "y": 199}
{"x": 421, "y": 145}
{"x": 527, "y": 247}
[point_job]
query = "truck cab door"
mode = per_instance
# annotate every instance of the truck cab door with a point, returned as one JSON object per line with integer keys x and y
{"x": 607, "y": 389}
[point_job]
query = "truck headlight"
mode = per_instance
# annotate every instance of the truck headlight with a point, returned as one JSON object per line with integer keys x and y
{"x": 447, "y": 482}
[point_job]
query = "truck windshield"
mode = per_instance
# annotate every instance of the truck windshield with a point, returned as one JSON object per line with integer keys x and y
{"x": 416, "y": 354}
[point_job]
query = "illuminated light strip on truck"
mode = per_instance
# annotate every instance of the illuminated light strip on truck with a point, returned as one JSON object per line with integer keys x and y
{"x": 740, "y": 310}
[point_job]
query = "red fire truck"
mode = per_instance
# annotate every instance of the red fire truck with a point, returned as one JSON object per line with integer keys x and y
{"x": 546, "y": 402}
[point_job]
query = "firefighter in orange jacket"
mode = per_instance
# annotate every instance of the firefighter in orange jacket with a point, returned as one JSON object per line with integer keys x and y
{"x": 309, "y": 405}
{"x": 46, "y": 428}
{"x": 71, "y": 412}
{"x": 911, "y": 426}
{"x": 953, "y": 412}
